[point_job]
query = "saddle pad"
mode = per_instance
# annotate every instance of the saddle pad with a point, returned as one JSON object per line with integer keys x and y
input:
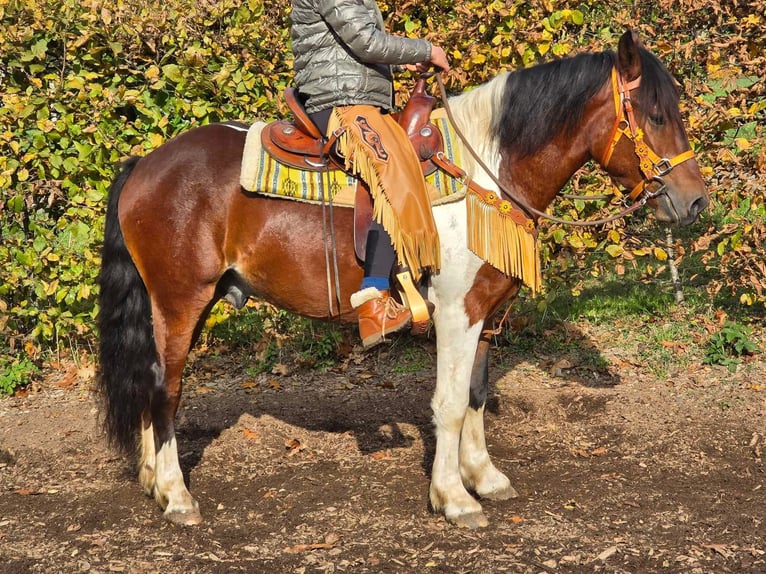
{"x": 262, "y": 174}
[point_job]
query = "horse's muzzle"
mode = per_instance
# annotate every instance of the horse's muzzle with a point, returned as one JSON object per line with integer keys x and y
{"x": 674, "y": 207}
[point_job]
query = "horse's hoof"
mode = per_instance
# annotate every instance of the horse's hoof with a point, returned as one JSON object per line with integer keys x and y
{"x": 471, "y": 520}
{"x": 500, "y": 494}
{"x": 184, "y": 517}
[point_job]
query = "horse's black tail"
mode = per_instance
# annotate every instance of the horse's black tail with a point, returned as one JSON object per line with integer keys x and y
{"x": 127, "y": 350}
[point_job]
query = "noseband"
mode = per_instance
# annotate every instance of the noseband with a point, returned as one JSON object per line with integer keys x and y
{"x": 652, "y": 166}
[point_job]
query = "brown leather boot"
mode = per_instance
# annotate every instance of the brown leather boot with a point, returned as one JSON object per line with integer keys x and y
{"x": 379, "y": 315}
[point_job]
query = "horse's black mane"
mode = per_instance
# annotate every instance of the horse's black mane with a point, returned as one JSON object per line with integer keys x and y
{"x": 541, "y": 101}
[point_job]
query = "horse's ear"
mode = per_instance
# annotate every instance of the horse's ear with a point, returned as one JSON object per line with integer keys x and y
{"x": 628, "y": 56}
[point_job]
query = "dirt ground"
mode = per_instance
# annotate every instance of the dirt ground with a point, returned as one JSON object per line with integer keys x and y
{"x": 619, "y": 470}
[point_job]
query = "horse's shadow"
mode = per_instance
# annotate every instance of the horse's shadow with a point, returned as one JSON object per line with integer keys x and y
{"x": 380, "y": 408}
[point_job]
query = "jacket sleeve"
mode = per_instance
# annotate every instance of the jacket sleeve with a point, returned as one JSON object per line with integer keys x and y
{"x": 353, "y": 23}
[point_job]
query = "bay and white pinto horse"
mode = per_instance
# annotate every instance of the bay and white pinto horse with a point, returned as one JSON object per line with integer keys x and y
{"x": 181, "y": 234}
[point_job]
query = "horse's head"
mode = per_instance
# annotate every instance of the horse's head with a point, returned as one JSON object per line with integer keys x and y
{"x": 649, "y": 152}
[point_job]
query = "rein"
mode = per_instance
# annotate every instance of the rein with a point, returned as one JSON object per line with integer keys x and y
{"x": 652, "y": 166}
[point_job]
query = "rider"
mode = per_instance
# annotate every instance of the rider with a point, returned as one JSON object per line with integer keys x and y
{"x": 343, "y": 70}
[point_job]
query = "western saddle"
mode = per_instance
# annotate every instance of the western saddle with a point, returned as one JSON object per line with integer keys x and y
{"x": 300, "y": 144}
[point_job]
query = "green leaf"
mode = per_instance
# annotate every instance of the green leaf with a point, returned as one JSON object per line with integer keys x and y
{"x": 39, "y": 49}
{"x": 172, "y": 72}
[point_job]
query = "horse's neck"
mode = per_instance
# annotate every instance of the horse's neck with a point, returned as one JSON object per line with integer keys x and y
{"x": 539, "y": 177}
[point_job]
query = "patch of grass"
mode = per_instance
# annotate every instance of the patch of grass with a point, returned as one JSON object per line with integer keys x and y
{"x": 15, "y": 374}
{"x": 274, "y": 334}
{"x": 727, "y": 346}
{"x": 411, "y": 358}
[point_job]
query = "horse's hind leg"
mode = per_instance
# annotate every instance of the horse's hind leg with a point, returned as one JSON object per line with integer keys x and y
{"x": 160, "y": 471}
{"x": 476, "y": 468}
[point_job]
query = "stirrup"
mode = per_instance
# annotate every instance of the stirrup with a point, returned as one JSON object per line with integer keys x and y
{"x": 412, "y": 298}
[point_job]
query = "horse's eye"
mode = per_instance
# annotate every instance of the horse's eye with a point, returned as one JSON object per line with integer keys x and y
{"x": 657, "y": 119}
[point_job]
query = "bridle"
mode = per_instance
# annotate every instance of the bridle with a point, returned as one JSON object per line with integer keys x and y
{"x": 652, "y": 166}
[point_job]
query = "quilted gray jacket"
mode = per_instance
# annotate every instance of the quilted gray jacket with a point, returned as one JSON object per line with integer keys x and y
{"x": 343, "y": 56}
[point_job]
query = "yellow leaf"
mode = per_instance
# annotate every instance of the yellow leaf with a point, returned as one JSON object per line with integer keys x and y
{"x": 155, "y": 140}
{"x": 742, "y": 143}
{"x": 707, "y": 171}
{"x": 746, "y": 299}
{"x": 660, "y": 254}
{"x": 614, "y": 250}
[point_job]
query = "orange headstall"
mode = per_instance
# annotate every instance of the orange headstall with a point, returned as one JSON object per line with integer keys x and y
{"x": 652, "y": 166}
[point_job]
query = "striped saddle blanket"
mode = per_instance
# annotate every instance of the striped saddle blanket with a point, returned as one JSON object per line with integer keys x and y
{"x": 262, "y": 174}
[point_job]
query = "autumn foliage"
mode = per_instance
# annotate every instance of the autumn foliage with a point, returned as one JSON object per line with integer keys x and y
{"x": 86, "y": 83}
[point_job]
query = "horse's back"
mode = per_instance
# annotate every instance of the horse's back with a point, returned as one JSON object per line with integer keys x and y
{"x": 202, "y": 162}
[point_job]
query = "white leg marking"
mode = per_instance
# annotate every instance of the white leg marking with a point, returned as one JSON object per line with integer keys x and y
{"x": 476, "y": 469}
{"x": 170, "y": 491}
{"x": 147, "y": 461}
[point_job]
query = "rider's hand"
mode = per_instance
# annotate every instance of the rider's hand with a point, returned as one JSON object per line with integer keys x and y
{"x": 439, "y": 58}
{"x": 420, "y": 68}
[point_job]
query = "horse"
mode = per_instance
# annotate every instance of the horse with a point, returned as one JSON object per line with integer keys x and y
{"x": 181, "y": 233}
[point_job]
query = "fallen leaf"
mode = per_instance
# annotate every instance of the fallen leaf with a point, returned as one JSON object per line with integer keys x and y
{"x": 66, "y": 382}
{"x": 251, "y": 384}
{"x": 381, "y": 455}
{"x": 26, "y": 492}
{"x": 307, "y": 547}
{"x": 252, "y": 435}
{"x": 516, "y": 519}
{"x": 280, "y": 369}
{"x": 86, "y": 373}
{"x": 73, "y": 528}
{"x": 292, "y": 443}
{"x": 332, "y": 538}
{"x": 275, "y": 385}
{"x": 607, "y": 553}
{"x": 721, "y": 549}
{"x": 294, "y": 446}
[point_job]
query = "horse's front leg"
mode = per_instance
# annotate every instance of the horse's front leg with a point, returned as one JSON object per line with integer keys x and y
{"x": 476, "y": 468}
{"x": 456, "y": 343}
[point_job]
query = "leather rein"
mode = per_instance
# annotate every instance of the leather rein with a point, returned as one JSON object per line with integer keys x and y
{"x": 652, "y": 166}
